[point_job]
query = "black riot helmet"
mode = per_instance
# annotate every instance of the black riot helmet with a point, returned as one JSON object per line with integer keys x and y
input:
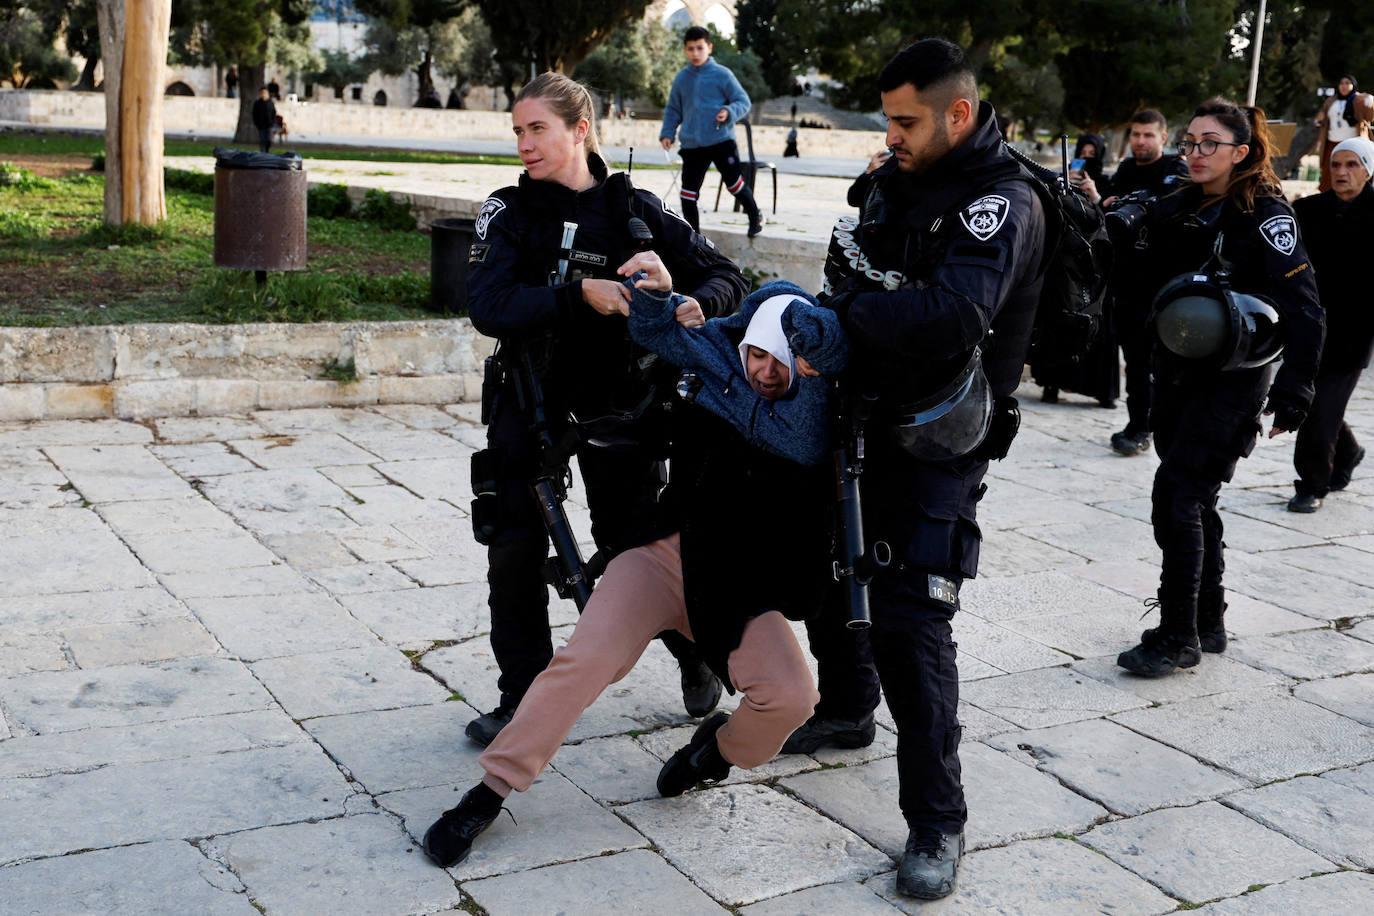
{"x": 951, "y": 421}
{"x": 1198, "y": 316}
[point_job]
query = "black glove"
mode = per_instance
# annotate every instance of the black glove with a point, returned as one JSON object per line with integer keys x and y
{"x": 1288, "y": 412}
{"x": 840, "y": 303}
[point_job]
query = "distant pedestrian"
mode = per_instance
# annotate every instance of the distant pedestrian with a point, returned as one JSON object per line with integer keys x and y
{"x": 274, "y": 90}
{"x": 791, "y": 148}
{"x": 264, "y": 118}
{"x": 706, "y": 100}
{"x": 231, "y": 83}
{"x": 1345, "y": 116}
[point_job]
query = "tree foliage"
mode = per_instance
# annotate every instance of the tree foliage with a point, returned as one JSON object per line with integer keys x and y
{"x": 555, "y": 36}
{"x": 27, "y": 32}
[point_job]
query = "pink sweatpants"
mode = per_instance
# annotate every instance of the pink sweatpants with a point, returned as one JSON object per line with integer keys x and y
{"x": 639, "y": 596}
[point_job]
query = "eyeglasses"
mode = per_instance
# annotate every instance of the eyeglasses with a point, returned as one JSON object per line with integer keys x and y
{"x": 1205, "y": 147}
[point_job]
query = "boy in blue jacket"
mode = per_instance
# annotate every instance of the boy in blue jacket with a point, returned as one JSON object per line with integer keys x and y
{"x": 705, "y": 102}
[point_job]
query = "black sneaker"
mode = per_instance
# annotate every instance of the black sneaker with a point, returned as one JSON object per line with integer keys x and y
{"x": 484, "y": 729}
{"x": 1305, "y": 503}
{"x": 819, "y": 732}
{"x": 1159, "y": 654}
{"x": 697, "y": 762}
{"x": 1340, "y": 477}
{"x": 755, "y": 225}
{"x": 449, "y": 839}
{"x": 1130, "y": 443}
{"x": 701, "y": 689}
{"x": 930, "y": 864}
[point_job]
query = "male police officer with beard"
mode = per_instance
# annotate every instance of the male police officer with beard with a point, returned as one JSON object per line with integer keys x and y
{"x": 957, "y": 233}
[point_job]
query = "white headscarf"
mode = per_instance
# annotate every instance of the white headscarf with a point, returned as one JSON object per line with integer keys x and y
{"x": 1360, "y": 147}
{"x": 765, "y": 332}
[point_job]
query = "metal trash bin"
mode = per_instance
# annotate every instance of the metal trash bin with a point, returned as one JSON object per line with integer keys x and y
{"x": 259, "y": 210}
{"x": 450, "y": 240}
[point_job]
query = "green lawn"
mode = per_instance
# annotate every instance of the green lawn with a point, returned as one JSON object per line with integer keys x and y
{"x": 61, "y": 266}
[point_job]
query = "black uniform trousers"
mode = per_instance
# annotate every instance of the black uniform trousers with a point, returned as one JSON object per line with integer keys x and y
{"x": 1133, "y": 333}
{"x": 695, "y": 162}
{"x": 621, "y": 486}
{"x": 927, "y": 513}
{"x": 1325, "y": 441}
{"x": 1204, "y": 423}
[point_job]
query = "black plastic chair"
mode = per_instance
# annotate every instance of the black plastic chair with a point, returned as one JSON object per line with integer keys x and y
{"x": 750, "y": 169}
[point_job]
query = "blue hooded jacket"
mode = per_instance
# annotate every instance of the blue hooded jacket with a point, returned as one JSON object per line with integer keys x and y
{"x": 697, "y": 96}
{"x": 795, "y": 426}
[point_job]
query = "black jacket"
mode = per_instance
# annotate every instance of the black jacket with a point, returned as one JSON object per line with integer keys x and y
{"x": 1266, "y": 256}
{"x": 1337, "y": 235}
{"x": 969, "y": 235}
{"x": 1153, "y": 177}
{"x": 264, "y": 114}
{"x": 756, "y": 531}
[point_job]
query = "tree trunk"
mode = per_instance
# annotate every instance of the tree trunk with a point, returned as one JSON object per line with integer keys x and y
{"x": 424, "y": 75}
{"x": 133, "y": 44}
{"x": 1306, "y": 138}
{"x": 87, "y": 81}
{"x": 251, "y": 79}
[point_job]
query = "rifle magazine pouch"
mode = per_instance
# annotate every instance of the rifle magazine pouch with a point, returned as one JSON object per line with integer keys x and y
{"x": 1005, "y": 424}
{"x": 486, "y": 504}
{"x": 491, "y": 381}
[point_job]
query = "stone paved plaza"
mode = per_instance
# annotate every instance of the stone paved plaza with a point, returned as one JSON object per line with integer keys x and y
{"x": 237, "y": 655}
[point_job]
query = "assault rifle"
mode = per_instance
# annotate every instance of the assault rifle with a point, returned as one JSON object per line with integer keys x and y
{"x": 855, "y": 565}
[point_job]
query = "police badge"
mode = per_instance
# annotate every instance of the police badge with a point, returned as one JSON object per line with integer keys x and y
{"x": 493, "y": 206}
{"x": 1280, "y": 233}
{"x": 985, "y": 216}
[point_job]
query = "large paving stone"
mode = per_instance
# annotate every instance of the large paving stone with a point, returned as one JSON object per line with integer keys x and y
{"x": 139, "y": 641}
{"x": 193, "y": 551}
{"x": 1006, "y": 800}
{"x": 1351, "y": 696}
{"x": 167, "y": 799}
{"x": 391, "y": 504}
{"x": 1331, "y": 819}
{"x": 1216, "y": 674}
{"x": 637, "y": 881}
{"x": 664, "y": 742}
{"x": 1262, "y": 734}
{"x": 1343, "y": 892}
{"x": 77, "y": 751}
{"x": 27, "y": 653}
{"x": 201, "y": 459}
{"x": 1040, "y": 876}
{"x": 1359, "y": 777}
{"x": 611, "y": 770}
{"x": 433, "y": 478}
{"x": 128, "y": 881}
{"x": 1276, "y": 582}
{"x": 1336, "y": 560}
{"x": 417, "y": 416}
{"x": 418, "y": 617}
{"x": 850, "y": 898}
{"x": 1090, "y": 633}
{"x": 72, "y": 432}
{"x": 56, "y": 562}
{"x": 400, "y": 748}
{"x": 408, "y": 444}
{"x": 147, "y": 516}
{"x": 1039, "y": 594}
{"x": 552, "y": 822}
{"x": 298, "y": 421}
{"x": 379, "y": 544}
{"x": 280, "y": 502}
{"x": 789, "y": 845}
{"x": 1116, "y": 767}
{"x": 1253, "y": 535}
{"x": 431, "y": 572}
{"x": 1050, "y": 696}
{"x": 346, "y": 680}
{"x": 360, "y": 864}
{"x": 1203, "y": 852}
{"x": 1307, "y": 654}
{"x": 1114, "y": 539}
{"x": 303, "y": 450}
{"x": 51, "y": 613}
{"x": 1000, "y": 647}
{"x": 205, "y": 429}
{"x": 353, "y": 578}
{"x": 269, "y": 626}
{"x": 131, "y": 694}
{"x": 112, "y": 473}
{"x": 234, "y": 583}
{"x": 1010, "y": 553}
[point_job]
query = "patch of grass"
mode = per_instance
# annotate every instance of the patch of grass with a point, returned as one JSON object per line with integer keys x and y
{"x": 19, "y": 225}
{"x": 327, "y": 201}
{"x": 345, "y": 373}
{"x": 456, "y": 697}
{"x": 195, "y": 182}
{"x": 22, "y": 179}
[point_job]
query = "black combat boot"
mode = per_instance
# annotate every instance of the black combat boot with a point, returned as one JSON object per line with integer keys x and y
{"x": 701, "y": 688}
{"x": 484, "y": 729}
{"x": 819, "y": 732}
{"x": 930, "y": 864}
{"x": 1171, "y": 645}
{"x": 1211, "y": 620}
{"x": 449, "y": 839}
{"x": 697, "y": 762}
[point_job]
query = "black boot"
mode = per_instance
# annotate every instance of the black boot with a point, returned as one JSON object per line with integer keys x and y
{"x": 449, "y": 839}
{"x": 819, "y": 732}
{"x": 701, "y": 688}
{"x": 1211, "y": 620}
{"x": 697, "y": 762}
{"x": 1161, "y": 653}
{"x": 484, "y": 729}
{"x": 746, "y": 200}
{"x": 930, "y": 864}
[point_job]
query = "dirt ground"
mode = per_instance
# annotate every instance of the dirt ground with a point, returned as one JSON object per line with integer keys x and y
{"x": 62, "y": 165}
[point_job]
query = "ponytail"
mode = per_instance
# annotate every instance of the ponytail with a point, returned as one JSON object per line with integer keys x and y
{"x": 569, "y": 99}
{"x": 1253, "y": 176}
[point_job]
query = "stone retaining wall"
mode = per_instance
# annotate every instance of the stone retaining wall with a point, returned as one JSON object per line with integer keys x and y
{"x": 180, "y": 114}
{"x": 160, "y": 370}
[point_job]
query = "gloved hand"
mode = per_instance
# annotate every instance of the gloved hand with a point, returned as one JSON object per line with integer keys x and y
{"x": 1288, "y": 412}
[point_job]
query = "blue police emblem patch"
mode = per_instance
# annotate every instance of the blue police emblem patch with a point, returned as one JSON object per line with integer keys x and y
{"x": 1281, "y": 233}
{"x": 493, "y": 206}
{"x": 985, "y": 216}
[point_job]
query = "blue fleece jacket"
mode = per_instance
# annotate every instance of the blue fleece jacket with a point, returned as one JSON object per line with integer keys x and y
{"x": 795, "y": 426}
{"x": 697, "y": 96}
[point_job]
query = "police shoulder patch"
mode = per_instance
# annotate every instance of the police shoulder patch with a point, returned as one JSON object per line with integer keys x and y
{"x": 985, "y": 216}
{"x": 1281, "y": 233}
{"x": 490, "y": 208}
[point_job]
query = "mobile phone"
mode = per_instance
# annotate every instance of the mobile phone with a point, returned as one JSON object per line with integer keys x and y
{"x": 1076, "y": 165}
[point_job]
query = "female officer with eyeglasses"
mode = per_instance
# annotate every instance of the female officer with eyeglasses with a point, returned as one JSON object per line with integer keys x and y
{"x": 1230, "y": 217}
